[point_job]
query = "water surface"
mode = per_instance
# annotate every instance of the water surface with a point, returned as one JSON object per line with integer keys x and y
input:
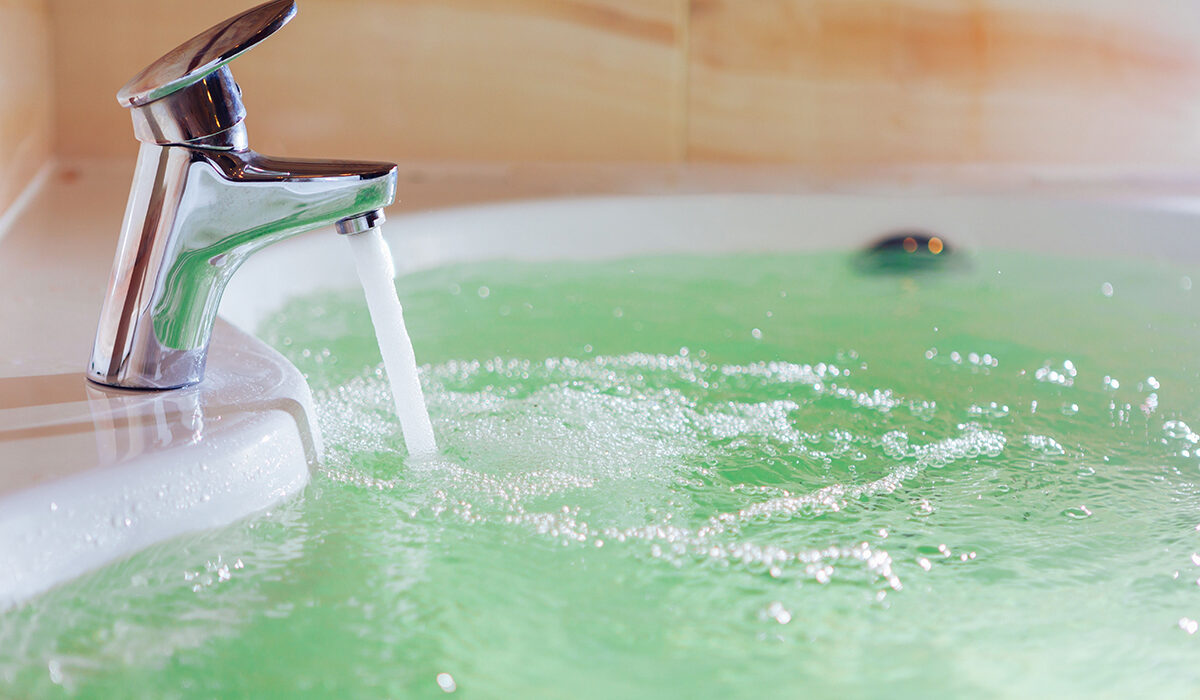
{"x": 774, "y": 476}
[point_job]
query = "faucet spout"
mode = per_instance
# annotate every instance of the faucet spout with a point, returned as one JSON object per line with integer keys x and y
{"x": 194, "y": 215}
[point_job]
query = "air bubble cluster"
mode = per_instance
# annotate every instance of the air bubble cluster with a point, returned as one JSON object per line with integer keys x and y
{"x": 597, "y": 433}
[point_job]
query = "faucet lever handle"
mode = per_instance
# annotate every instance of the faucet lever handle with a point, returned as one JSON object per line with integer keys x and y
{"x": 196, "y": 58}
{"x": 188, "y": 95}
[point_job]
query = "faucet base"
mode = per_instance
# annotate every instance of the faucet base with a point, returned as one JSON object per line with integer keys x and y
{"x": 167, "y": 369}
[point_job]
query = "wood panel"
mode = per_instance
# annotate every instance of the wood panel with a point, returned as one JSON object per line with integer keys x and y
{"x": 26, "y": 94}
{"x": 831, "y": 84}
{"x": 846, "y": 83}
{"x": 406, "y": 79}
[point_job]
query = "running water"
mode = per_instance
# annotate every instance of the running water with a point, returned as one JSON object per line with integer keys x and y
{"x": 373, "y": 260}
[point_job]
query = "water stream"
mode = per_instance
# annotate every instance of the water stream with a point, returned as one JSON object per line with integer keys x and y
{"x": 373, "y": 260}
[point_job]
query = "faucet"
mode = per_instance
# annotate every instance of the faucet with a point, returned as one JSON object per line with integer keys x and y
{"x": 202, "y": 202}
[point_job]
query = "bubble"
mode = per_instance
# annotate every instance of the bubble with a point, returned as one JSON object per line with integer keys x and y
{"x": 1063, "y": 374}
{"x": 775, "y": 611}
{"x": 1044, "y": 444}
{"x": 1179, "y": 430}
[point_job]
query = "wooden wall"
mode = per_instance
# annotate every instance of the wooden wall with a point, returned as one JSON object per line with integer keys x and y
{"x": 26, "y": 94}
{"x": 1100, "y": 84}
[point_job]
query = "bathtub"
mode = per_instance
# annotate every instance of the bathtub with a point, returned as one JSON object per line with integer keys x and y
{"x": 154, "y": 466}
{"x": 598, "y": 228}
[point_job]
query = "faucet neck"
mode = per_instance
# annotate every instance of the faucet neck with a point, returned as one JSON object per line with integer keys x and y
{"x": 193, "y": 216}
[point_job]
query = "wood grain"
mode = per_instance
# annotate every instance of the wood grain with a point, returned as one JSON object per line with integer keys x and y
{"x": 403, "y": 79}
{"x": 834, "y": 85}
{"x": 26, "y": 94}
{"x": 843, "y": 83}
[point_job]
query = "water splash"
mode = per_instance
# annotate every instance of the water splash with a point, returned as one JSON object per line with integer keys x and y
{"x": 373, "y": 260}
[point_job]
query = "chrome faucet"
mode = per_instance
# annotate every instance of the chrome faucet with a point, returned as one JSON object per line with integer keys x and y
{"x": 202, "y": 202}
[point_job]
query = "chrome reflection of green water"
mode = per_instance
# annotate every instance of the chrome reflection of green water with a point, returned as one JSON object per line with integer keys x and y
{"x": 686, "y": 477}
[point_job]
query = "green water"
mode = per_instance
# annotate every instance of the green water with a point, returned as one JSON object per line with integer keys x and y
{"x": 772, "y": 476}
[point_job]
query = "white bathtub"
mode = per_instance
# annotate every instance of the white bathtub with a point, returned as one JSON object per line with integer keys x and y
{"x": 597, "y": 228}
{"x": 245, "y": 438}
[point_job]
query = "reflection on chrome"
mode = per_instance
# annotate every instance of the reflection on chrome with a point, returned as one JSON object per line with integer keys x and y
{"x": 202, "y": 202}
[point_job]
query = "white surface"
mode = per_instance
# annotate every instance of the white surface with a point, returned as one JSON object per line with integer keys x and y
{"x": 89, "y": 475}
{"x": 129, "y": 469}
{"x": 615, "y": 227}
{"x": 26, "y": 196}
